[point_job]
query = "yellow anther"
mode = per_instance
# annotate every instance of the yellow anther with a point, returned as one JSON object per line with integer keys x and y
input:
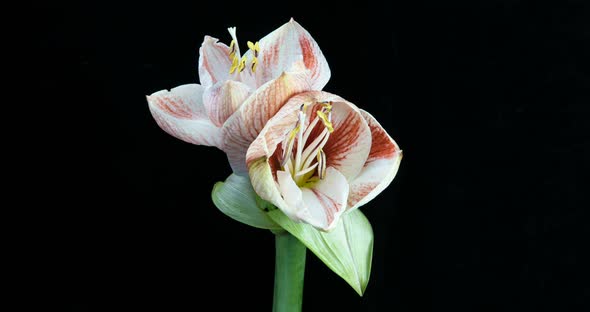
{"x": 254, "y": 64}
{"x": 321, "y": 158}
{"x": 242, "y": 64}
{"x": 294, "y": 132}
{"x": 290, "y": 142}
{"x": 326, "y": 121}
{"x": 234, "y": 64}
{"x": 304, "y": 106}
{"x": 327, "y": 106}
{"x": 232, "y": 49}
{"x": 255, "y": 47}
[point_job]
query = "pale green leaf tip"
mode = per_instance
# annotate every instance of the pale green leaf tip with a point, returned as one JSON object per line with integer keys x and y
{"x": 338, "y": 262}
{"x": 214, "y": 190}
{"x": 360, "y": 287}
{"x": 215, "y": 186}
{"x": 363, "y": 289}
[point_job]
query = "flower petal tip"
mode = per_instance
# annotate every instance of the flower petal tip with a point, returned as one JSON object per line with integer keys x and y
{"x": 209, "y": 40}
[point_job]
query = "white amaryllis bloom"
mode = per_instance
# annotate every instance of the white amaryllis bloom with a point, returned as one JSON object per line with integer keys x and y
{"x": 230, "y": 82}
{"x": 310, "y": 153}
{"x": 320, "y": 156}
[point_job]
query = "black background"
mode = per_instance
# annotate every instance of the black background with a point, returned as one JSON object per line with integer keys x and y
{"x": 489, "y": 102}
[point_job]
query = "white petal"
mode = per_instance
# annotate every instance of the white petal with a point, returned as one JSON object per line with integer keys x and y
{"x": 180, "y": 112}
{"x": 326, "y": 200}
{"x": 287, "y": 45}
{"x": 320, "y": 205}
{"x": 223, "y": 99}
{"x": 294, "y": 207}
{"x": 214, "y": 62}
{"x": 349, "y": 145}
{"x": 380, "y": 168}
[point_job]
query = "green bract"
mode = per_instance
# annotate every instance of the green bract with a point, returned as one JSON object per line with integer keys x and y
{"x": 236, "y": 198}
{"x": 347, "y": 249}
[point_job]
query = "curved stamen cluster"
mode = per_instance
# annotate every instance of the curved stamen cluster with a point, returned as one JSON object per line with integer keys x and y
{"x": 239, "y": 62}
{"x": 306, "y": 161}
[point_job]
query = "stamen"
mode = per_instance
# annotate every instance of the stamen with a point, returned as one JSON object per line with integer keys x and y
{"x": 242, "y": 65}
{"x": 321, "y": 157}
{"x": 254, "y": 64}
{"x": 234, "y": 64}
{"x": 300, "y": 173}
{"x": 287, "y": 167}
{"x": 309, "y": 129}
{"x": 232, "y": 49}
{"x": 312, "y": 148}
{"x": 326, "y": 120}
{"x": 299, "y": 161}
{"x": 303, "y": 107}
{"x": 290, "y": 142}
{"x": 300, "y": 142}
{"x": 255, "y": 47}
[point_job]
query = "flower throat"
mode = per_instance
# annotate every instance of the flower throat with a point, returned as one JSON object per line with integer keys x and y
{"x": 304, "y": 160}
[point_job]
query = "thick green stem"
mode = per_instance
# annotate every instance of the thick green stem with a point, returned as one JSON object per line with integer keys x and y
{"x": 289, "y": 271}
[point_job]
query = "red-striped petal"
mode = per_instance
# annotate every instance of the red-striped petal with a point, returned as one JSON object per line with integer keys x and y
{"x": 321, "y": 205}
{"x": 380, "y": 168}
{"x": 278, "y": 127}
{"x": 349, "y": 145}
{"x": 326, "y": 200}
{"x": 223, "y": 99}
{"x": 180, "y": 112}
{"x": 287, "y": 45}
{"x": 214, "y": 62}
{"x": 242, "y": 128}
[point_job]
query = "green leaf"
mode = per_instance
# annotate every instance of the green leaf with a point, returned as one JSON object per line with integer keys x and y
{"x": 236, "y": 198}
{"x": 347, "y": 249}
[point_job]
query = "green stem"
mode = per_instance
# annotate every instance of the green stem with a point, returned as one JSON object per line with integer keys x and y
{"x": 289, "y": 271}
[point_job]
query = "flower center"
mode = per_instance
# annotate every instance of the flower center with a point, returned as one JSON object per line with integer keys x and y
{"x": 305, "y": 159}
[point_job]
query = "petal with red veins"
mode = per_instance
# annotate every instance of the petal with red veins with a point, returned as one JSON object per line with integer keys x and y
{"x": 264, "y": 184}
{"x": 180, "y": 112}
{"x": 214, "y": 62}
{"x": 347, "y": 148}
{"x": 223, "y": 99}
{"x": 349, "y": 145}
{"x": 320, "y": 205}
{"x": 380, "y": 168}
{"x": 326, "y": 200}
{"x": 240, "y": 130}
{"x": 293, "y": 206}
{"x": 278, "y": 127}
{"x": 287, "y": 45}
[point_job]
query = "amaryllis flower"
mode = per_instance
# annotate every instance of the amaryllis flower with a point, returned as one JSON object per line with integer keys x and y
{"x": 230, "y": 82}
{"x": 312, "y": 154}
{"x": 320, "y": 156}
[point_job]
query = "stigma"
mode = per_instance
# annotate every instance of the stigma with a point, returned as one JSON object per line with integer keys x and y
{"x": 305, "y": 158}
